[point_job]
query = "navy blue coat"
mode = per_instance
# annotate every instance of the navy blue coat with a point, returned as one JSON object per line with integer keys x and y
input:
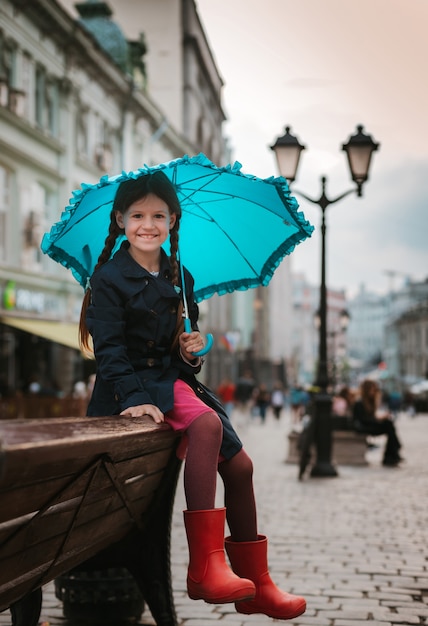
{"x": 132, "y": 319}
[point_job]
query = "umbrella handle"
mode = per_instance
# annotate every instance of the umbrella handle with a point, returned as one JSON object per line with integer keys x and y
{"x": 210, "y": 339}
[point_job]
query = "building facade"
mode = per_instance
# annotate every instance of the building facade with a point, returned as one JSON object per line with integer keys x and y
{"x": 72, "y": 110}
{"x": 305, "y": 334}
{"x": 412, "y": 330}
{"x": 390, "y": 330}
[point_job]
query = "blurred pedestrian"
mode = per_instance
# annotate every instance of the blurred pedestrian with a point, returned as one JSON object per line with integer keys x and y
{"x": 262, "y": 400}
{"x": 277, "y": 399}
{"x": 297, "y": 403}
{"x": 369, "y": 419}
{"x": 343, "y": 403}
{"x": 244, "y": 390}
{"x": 342, "y": 407}
{"x": 226, "y": 393}
{"x": 395, "y": 402}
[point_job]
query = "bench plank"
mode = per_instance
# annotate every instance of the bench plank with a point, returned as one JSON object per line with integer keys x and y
{"x": 31, "y": 496}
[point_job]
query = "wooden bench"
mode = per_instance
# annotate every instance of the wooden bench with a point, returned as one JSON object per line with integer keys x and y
{"x": 348, "y": 448}
{"x": 73, "y": 489}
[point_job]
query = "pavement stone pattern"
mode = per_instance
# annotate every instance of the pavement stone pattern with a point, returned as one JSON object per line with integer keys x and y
{"x": 356, "y": 546}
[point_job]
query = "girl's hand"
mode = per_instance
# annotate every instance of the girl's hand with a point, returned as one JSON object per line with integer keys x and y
{"x": 190, "y": 342}
{"x": 145, "y": 409}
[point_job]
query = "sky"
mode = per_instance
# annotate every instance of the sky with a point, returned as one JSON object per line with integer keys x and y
{"x": 322, "y": 67}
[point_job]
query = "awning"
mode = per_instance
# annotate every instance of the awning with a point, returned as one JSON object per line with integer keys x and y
{"x": 65, "y": 333}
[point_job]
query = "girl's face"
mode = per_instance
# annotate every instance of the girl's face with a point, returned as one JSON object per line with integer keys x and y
{"x": 147, "y": 223}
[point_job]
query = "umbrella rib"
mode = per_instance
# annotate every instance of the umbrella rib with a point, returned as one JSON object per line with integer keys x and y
{"x": 188, "y": 193}
{"x": 210, "y": 218}
{"x": 211, "y": 177}
{"x": 83, "y": 217}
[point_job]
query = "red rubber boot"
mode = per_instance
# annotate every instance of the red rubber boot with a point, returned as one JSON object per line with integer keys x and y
{"x": 249, "y": 558}
{"x": 209, "y": 577}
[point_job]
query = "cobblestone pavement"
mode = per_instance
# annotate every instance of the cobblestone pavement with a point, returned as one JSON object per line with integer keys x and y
{"x": 356, "y": 546}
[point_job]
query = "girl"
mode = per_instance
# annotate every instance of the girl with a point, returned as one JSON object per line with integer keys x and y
{"x": 145, "y": 366}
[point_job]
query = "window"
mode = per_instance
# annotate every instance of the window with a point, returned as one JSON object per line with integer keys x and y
{"x": 46, "y": 102}
{"x": 103, "y": 155}
{"x": 10, "y": 96}
{"x": 52, "y": 106}
{"x": 27, "y": 75}
{"x": 4, "y": 209}
{"x": 40, "y": 96}
{"x": 37, "y": 202}
{"x": 6, "y": 60}
{"x": 82, "y": 138}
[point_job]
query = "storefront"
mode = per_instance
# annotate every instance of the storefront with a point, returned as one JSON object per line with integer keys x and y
{"x": 39, "y": 337}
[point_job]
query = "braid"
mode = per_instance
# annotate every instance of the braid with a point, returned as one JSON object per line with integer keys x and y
{"x": 113, "y": 233}
{"x": 173, "y": 242}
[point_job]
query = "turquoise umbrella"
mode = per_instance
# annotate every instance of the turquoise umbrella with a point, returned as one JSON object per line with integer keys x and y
{"x": 234, "y": 231}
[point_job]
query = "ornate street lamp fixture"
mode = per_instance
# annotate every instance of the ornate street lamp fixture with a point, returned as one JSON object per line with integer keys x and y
{"x": 287, "y": 151}
{"x": 344, "y": 318}
{"x": 359, "y": 149}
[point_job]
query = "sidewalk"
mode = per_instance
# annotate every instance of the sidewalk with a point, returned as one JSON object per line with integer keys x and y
{"x": 356, "y": 546}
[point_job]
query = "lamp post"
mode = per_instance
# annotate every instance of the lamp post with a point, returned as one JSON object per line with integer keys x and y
{"x": 359, "y": 149}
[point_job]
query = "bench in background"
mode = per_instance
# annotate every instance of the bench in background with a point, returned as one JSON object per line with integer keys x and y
{"x": 349, "y": 448}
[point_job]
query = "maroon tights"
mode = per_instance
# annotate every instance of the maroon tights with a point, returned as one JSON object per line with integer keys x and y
{"x": 200, "y": 477}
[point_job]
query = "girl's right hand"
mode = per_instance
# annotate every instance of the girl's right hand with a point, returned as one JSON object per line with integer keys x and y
{"x": 145, "y": 409}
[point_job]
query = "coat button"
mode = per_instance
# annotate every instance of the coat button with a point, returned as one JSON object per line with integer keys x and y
{"x": 150, "y": 343}
{"x": 150, "y": 362}
{"x": 173, "y": 309}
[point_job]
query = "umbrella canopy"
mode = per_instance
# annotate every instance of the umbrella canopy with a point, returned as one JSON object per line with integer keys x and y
{"x": 234, "y": 231}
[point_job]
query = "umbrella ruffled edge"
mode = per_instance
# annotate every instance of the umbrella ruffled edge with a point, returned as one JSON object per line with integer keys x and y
{"x": 280, "y": 183}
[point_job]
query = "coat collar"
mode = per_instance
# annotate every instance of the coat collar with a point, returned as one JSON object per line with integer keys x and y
{"x": 132, "y": 269}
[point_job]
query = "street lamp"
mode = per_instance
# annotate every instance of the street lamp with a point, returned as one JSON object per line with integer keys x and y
{"x": 359, "y": 149}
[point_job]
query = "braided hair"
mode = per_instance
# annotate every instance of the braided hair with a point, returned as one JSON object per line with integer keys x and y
{"x": 128, "y": 192}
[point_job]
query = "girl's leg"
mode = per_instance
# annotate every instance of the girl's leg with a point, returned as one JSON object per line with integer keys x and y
{"x": 246, "y": 549}
{"x": 209, "y": 577}
{"x": 237, "y": 476}
{"x": 200, "y": 471}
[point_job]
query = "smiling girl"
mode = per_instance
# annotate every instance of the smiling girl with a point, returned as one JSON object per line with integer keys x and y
{"x": 146, "y": 366}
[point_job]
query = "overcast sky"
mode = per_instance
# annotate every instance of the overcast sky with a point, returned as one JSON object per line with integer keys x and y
{"x": 322, "y": 67}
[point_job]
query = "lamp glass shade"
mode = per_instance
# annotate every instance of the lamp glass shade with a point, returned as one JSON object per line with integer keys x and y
{"x": 359, "y": 162}
{"x": 344, "y": 319}
{"x": 359, "y": 151}
{"x": 287, "y": 152}
{"x": 287, "y": 158}
{"x": 317, "y": 320}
